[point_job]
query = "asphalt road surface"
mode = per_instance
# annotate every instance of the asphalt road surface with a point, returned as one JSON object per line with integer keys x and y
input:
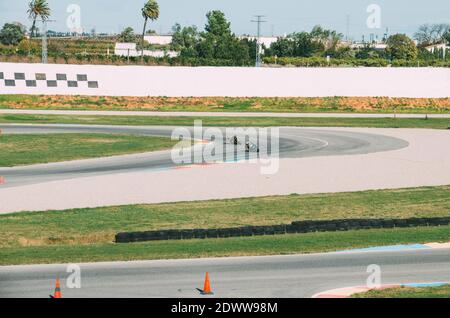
{"x": 266, "y": 276}
{"x": 293, "y": 143}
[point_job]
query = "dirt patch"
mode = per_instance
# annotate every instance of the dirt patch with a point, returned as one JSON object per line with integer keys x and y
{"x": 100, "y": 140}
{"x": 281, "y": 104}
{"x": 68, "y": 240}
{"x": 23, "y": 241}
{"x": 91, "y": 238}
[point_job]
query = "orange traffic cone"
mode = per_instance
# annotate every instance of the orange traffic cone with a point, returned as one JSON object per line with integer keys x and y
{"x": 57, "y": 293}
{"x": 207, "y": 286}
{"x": 2, "y": 180}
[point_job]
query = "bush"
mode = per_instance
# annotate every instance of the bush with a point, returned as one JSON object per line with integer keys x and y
{"x": 30, "y": 51}
{"x": 352, "y": 62}
{"x": 11, "y": 34}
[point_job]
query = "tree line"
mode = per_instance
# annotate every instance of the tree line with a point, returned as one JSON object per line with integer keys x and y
{"x": 218, "y": 42}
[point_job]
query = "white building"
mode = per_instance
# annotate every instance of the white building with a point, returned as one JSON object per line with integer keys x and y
{"x": 267, "y": 41}
{"x": 167, "y": 39}
{"x": 434, "y": 47}
{"x": 376, "y": 46}
{"x": 130, "y": 50}
{"x": 125, "y": 49}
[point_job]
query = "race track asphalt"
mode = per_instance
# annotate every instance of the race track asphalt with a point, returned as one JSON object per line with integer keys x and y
{"x": 293, "y": 143}
{"x": 265, "y": 276}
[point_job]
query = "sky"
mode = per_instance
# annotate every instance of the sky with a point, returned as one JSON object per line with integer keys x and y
{"x": 282, "y": 16}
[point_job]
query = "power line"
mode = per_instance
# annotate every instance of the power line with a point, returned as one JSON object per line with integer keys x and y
{"x": 258, "y": 38}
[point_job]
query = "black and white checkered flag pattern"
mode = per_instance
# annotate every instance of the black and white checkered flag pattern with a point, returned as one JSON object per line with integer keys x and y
{"x": 60, "y": 80}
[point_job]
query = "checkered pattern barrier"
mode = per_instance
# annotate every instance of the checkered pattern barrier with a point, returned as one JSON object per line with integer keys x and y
{"x": 49, "y": 80}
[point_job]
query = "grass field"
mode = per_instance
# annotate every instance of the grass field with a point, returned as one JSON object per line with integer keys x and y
{"x": 249, "y": 246}
{"x": 434, "y": 123}
{"x": 31, "y": 149}
{"x": 87, "y": 234}
{"x": 231, "y": 104}
{"x": 408, "y": 292}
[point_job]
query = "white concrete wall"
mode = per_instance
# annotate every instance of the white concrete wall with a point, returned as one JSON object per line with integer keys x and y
{"x": 232, "y": 81}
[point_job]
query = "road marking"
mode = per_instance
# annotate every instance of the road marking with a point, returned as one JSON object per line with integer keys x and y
{"x": 324, "y": 142}
{"x": 387, "y": 248}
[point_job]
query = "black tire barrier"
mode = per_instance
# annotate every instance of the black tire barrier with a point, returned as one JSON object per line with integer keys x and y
{"x": 387, "y": 224}
{"x": 279, "y": 229}
{"x": 223, "y": 233}
{"x": 200, "y": 234}
{"x": 212, "y": 233}
{"x": 174, "y": 234}
{"x": 290, "y": 229}
{"x": 258, "y": 230}
{"x": 246, "y": 231}
{"x": 187, "y": 234}
{"x": 294, "y": 227}
{"x": 122, "y": 238}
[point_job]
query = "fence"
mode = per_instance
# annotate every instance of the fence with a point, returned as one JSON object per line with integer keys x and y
{"x": 294, "y": 227}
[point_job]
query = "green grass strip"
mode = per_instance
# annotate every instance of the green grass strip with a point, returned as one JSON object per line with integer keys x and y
{"x": 256, "y": 245}
{"x": 433, "y": 123}
{"x": 43, "y": 148}
{"x": 408, "y": 292}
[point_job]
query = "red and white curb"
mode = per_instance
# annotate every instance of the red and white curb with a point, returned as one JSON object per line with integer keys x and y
{"x": 438, "y": 245}
{"x": 347, "y": 292}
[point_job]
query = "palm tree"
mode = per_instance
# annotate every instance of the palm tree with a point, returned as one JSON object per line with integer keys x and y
{"x": 38, "y": 8}
{"x": 149, "y": 11}
{"x": 328, "y": 38}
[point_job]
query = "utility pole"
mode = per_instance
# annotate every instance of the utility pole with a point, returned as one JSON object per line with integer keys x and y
{"x": 44, "y": 41}
{"x": 444, "y": 50}
{"x": 258, "y": 40}
{"x": 347, "y": 30}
